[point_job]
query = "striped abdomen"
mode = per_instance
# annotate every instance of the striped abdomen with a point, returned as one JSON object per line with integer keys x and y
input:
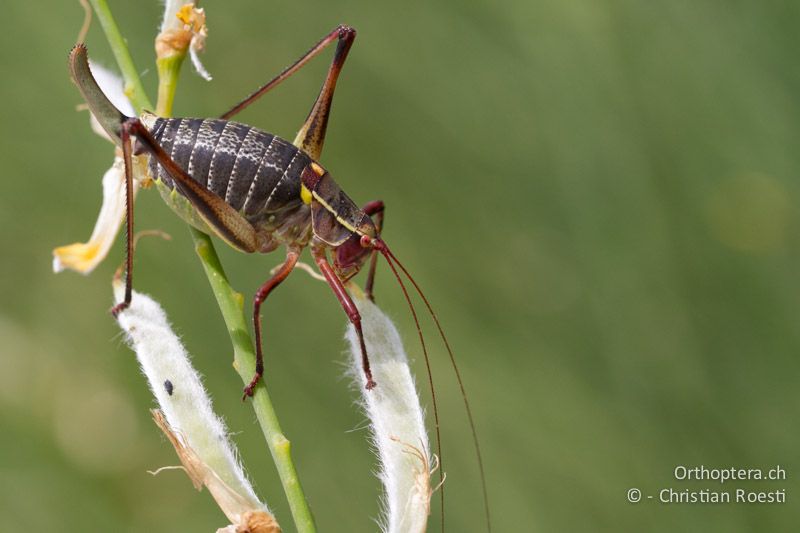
{"x": 255, "y": 172}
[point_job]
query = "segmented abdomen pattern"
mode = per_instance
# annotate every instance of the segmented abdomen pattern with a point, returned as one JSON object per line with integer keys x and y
{"x": 253, "y": 171}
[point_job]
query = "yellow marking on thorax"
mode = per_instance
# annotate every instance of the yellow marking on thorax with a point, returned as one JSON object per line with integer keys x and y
{"x": 317, "y": 169}
{"x": 305, "y": 194}
{"x": 339, "y": 219}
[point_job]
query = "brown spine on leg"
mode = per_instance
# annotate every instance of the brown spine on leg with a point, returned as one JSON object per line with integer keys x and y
{"x": 125, "y": 136}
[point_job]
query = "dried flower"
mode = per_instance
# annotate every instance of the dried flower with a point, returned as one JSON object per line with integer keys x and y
{"x": 183, "y": 27}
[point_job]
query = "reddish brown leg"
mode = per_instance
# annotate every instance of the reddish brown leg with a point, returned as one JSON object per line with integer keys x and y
{"x": 375, "y": 208}
{"x": 348, "y": 305}
{"x": 261, "y": 295}
{"x": 312, "y": 135}
{"x": 125, "y": 136}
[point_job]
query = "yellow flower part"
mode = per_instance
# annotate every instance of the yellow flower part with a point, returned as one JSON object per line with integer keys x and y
{"x": 84, "y": 257}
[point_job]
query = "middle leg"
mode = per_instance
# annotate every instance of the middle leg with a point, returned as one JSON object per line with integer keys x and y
{"x": 261, "y": 295}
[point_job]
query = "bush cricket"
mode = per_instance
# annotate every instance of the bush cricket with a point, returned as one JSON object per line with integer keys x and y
{"x": 258, "y": 192}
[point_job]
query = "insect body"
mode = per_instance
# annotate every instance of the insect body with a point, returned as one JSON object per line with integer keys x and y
{"x": 286, "y": 198}
{"x": 256, "y": 173}
{"x": 259, "y": 192}
{"x": 253, "y": 189}
{"x": 260, "y": 176}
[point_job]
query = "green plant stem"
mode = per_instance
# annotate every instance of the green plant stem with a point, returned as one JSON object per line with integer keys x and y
{"x": 169, "y": 69}
{"x": 230, "y": 302}
{"x": 134, "y": 89}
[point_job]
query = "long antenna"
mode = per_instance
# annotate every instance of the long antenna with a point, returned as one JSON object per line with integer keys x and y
{"x": 430, "y": 375}
{"x": 388, "y": 254}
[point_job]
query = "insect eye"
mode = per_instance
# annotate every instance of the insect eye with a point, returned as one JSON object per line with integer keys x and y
{"x": 366, "y": 241}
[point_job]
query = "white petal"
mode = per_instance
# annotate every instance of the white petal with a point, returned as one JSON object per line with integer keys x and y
{"x": 198, "y": 66}
{"x": 84, "y": 257}
{"x": 113, "y": 87}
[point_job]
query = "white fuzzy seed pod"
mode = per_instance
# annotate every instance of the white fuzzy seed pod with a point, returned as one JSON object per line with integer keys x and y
{"x": 397, "y": 422}
{"x": 184, "y": 402}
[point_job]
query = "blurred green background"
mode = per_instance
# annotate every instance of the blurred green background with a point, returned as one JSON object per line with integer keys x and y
{"x": 600, "y": 198}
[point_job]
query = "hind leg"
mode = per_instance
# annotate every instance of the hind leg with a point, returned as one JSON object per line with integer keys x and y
{"x": 311, "y": 136}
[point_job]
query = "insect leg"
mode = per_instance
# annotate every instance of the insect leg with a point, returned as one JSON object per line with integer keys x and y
{"x": 226, "y": 222}
{"x": 340, "y": 33}
{"x": 311, "y": 136}
{"x": 348, "y": 305}
{"x": 125, "y": 136}
{"x": 261, "y": 295}
{"x": 375, "y": 210}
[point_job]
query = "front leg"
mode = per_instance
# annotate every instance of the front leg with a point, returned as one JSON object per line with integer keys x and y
{"x": 347, "y": 304}
{"x": 374, "y": 210}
